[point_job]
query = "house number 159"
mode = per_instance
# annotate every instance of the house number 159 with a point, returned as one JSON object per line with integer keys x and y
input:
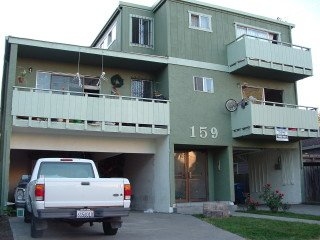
{"x": 203, "y": 132}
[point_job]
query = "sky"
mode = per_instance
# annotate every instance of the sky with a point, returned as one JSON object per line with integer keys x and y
{"x": 79, "y": 22}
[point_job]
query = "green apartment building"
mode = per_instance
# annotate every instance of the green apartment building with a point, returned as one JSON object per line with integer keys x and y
{"x": 147, "y": 101}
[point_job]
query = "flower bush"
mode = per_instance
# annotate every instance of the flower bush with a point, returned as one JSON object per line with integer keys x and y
{"x": 273, "y": 199}
{"x": 250, "y": 204}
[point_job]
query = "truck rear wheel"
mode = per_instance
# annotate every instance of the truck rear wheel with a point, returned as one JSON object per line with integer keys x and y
{"x": 35, "y": 233}
{"x": 108, "y": 230}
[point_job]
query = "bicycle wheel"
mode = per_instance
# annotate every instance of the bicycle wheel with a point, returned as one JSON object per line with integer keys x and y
{"x": 231, "y": 105}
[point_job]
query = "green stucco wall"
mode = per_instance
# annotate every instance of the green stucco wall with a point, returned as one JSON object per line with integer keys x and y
{"x": 223, "y": 174}
{"x": 196, "y": 109}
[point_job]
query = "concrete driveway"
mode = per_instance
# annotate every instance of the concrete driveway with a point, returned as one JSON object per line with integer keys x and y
{"x": 151, "y": 226}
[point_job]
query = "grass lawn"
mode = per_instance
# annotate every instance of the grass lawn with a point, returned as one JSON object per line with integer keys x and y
{"x": 284, "y": 214}
{"x": 264, "y": 229}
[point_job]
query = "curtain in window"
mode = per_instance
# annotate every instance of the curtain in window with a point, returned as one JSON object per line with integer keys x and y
{"x": 194, "y": 20}
{"x": 59, "y": 82}
{"x": 198, "y": 83}
{"x": 208, "y": 85}
{"x": 258, "y": 33}
{"x": 255, "y": 92}
{"x": 43, "y": 80}
{"x": 141, "y": 88}
{"x": 144, "y": 31}
{"x": 141, "y": 31}
{"x": 241, "y": 31}
{"x": 135, "y": 30}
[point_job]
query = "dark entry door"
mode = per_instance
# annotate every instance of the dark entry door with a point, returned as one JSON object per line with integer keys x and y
{"x": 190, "y": 176}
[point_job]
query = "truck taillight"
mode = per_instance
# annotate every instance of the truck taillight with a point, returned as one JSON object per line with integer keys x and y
{"x": 127, "y": 192}
{"x": 39, "y": 192}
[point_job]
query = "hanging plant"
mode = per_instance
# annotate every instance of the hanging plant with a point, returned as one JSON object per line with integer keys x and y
{"x": 21, "y": 76}
{"x": 116, "y": 81}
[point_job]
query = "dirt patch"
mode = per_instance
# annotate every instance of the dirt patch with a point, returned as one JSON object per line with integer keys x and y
{"x": 5, "y": 232}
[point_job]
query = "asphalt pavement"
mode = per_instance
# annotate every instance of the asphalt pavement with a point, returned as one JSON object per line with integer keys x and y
{"x": 139, "y": 225}
{"x": 151, "y": 226}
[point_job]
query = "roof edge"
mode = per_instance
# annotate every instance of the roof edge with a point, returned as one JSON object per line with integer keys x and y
{"x": 157, "y": 5}
{"x": 105, "y": 27}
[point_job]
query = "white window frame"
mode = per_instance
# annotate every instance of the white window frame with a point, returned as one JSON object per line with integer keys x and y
{"x": 151, "y": 36}
{"x": 204, "y": 84}
{"x": 200, "y": 15}
{"x": 237, "y": 24}
{"x": 105, "y": 39}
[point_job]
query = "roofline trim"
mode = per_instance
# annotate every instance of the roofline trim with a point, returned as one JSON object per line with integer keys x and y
{"x": 88, "y": 50}
{"x": 157, "y": 5}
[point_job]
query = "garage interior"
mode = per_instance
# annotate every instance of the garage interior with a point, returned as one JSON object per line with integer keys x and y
{"x": 138, "y": 168}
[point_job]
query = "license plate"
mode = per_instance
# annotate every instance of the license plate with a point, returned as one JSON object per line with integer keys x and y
{"x": 85, "y": 213}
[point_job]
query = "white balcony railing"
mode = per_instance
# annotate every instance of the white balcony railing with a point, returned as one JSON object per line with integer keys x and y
{"x": 92, "y": 112}
{"x": 262, "y": 118}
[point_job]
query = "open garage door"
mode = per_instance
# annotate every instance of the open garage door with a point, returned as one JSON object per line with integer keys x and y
{"x": 138, "y": 168}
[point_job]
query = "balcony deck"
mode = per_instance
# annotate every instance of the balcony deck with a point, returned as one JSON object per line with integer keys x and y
{"x": 50, "y": 109}
{"x": 261, "y": 119}
{"x": 259, "y": 57}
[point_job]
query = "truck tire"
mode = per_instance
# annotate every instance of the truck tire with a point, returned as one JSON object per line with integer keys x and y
{"x": 108, "y": 230}
{"x": 27, "y": 216}
{"x": 34, "y": 232}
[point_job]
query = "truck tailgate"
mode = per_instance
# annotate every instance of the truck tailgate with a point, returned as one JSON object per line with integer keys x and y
{"x": 83, "y": 192}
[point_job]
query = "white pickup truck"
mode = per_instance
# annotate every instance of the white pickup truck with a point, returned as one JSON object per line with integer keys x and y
{"x": 70, "y": 190}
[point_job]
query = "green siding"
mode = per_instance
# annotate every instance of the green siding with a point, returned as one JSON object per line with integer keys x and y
{"x": 6, "y": 125}
{"x": 161, "y": 32}
{"x": 116, "y": 45}
{"x": 126, "y": 28}
{"x": 210, "y": 46}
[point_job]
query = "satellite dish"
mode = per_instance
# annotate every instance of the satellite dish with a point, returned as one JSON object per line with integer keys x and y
{"x": 231, "y": 105}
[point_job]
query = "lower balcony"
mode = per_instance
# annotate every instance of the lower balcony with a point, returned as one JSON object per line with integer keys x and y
{"x": 264, "y": 119}
{"x": 49, "y": 109}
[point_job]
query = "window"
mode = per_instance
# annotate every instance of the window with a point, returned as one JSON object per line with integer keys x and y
{"x": 66, "y": 82}
{"x": 141, "y": 31}
{"x": 200, "y": 21}
{"x": 65, "y": 170}
{"x": 257, "y": 33}
{"x": 141, "y": 88}
{"x": 262, "y": 94}
{"x": 203, "y": 84}
{"x": 109, "y": 37}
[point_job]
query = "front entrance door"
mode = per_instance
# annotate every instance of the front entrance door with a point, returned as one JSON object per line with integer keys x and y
{"x": 190, "y": 176}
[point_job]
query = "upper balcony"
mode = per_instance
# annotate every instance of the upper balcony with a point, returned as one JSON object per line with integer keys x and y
{"x": 261, "y": 119}
{"x": 271, "y": 59}
{"x": 65, "y": 110}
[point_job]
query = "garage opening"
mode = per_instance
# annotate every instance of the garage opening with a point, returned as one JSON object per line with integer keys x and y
{"x": 138, "y": 168}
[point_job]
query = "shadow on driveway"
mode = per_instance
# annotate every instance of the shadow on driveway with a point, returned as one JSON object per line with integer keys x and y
{"x": 151, "y": 226}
